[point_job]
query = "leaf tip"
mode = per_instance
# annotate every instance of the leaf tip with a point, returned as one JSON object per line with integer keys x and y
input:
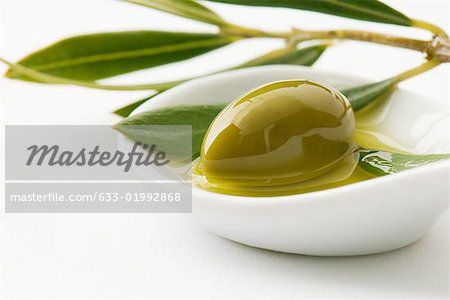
{"x": 9, "y": 73}
{"x": 121, "y": 112}
{"x": 125, "y": 111}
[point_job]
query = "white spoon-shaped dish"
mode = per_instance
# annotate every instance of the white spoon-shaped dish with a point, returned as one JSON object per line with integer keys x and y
{"x": 373, "y": 216}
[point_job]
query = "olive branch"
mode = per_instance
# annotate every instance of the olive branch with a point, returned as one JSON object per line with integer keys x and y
{"x": 83, "y": 60}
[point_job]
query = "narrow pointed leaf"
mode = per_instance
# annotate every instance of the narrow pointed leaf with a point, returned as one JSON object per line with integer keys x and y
{"x": 184, "y": 8}
{"x": 128, "y": 109}
{"x": 31, "y": 74}
{"x": 96, "y": 56}
{"x": 199, "y": 116}
{"x": 363, "y": 95}
{"x": 382, "y": 163}
{"x": 367, "y": 10}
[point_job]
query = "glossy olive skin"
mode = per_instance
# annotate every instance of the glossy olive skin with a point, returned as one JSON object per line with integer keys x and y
{"x": 282, "y": 133}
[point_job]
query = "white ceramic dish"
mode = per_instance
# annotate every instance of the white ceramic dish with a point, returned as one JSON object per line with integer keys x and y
{"x": 374, "y": 216}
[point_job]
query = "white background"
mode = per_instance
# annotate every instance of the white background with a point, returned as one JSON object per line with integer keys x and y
{"x": 157, "y": 255}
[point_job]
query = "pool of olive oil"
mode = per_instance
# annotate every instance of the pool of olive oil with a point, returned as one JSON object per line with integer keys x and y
{"x": 347, "y": 172}
{"x": 344, "y": 172}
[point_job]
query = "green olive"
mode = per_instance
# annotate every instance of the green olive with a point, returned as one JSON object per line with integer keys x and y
{"x": 281, "y": 133}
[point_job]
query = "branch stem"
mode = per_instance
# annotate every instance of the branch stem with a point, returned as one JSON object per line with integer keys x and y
{"x": 428, "y": 65}
{"x": 438, "y": 48}
{"x": 430, "y": 27}
{"x": 245, "y": 32}
{"x": 364, "y": 36}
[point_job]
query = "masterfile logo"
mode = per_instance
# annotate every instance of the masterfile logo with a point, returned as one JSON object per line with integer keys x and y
{"x": 96, "y": 169}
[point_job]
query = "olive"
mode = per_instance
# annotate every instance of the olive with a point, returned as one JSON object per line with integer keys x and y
{"x": 281, "y": 133}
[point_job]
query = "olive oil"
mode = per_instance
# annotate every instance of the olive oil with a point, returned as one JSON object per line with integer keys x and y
{"x": 346, "y": 172}
{"x": 284, "y": 138}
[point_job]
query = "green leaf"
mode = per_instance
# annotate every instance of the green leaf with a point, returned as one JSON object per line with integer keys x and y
{"x": 367, "y": 10}
{"x": 199, "y": 116}
{"x": 184, "y": 8}
{"x": 382, "y": 163}
{"x": 96, "y": 56}
{"x": 128, "y": 109}
{"x": 363, "y": 95}
{"x": 31, "y": 74}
